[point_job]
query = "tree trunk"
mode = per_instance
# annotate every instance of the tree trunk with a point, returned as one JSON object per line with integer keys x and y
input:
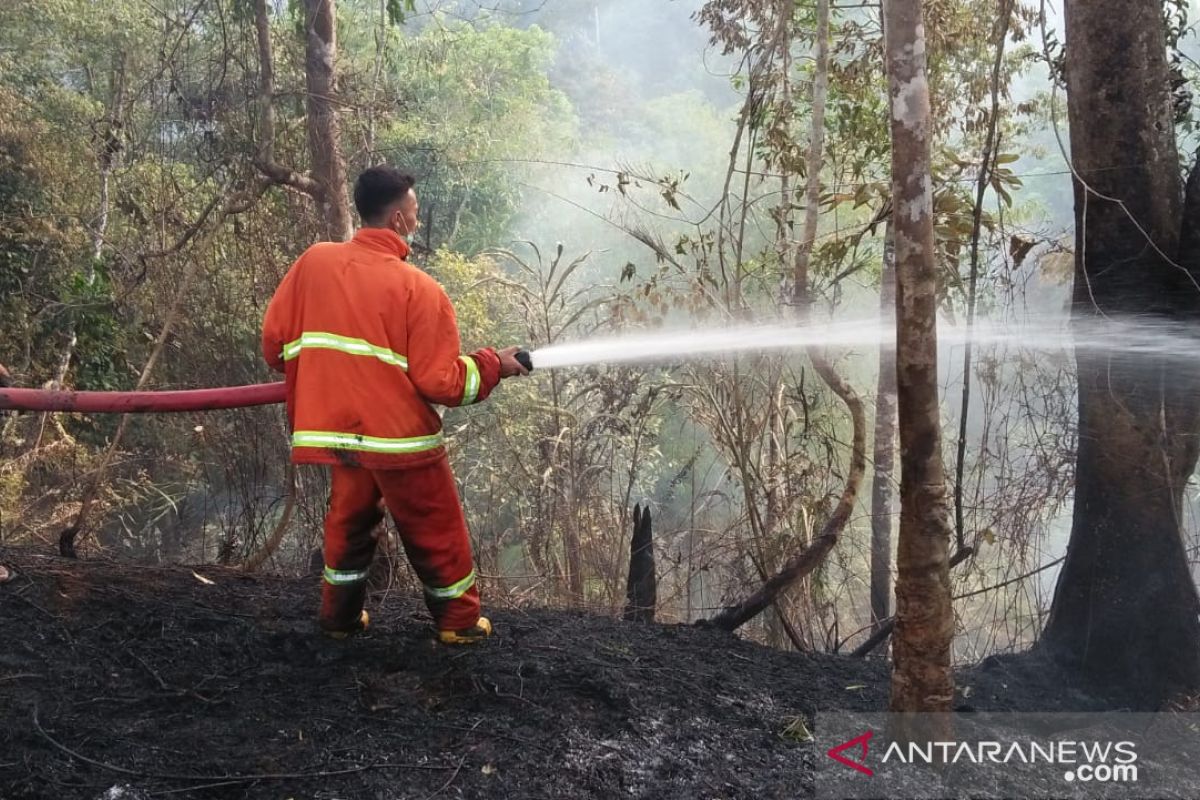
{"x": 921, "y": 677}
{"x": 885, "y": 447}
{"x": 812, "y": 196}
{"x": 815, "y": 160}
{"x": 1125, "y": 608}
{"x": 324, "y": 135}
{"x": 641, "y": 588}
{"x": 264, "y": 158}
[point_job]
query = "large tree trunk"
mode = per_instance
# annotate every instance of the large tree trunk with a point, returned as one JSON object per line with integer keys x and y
{"x": 1125, "y": 609}
{"x": 324, "y": 136}
{"x": 921, "y": 678}
{"x": 884, "y": 446}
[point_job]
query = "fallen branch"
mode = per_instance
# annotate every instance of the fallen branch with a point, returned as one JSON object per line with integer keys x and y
{"x": 875, "y": 639}
{"x": 19, "y": 676}
{"x": 807, "y": 560}
{"x": 788, "y": 627}
{"x": 799, "y": 565}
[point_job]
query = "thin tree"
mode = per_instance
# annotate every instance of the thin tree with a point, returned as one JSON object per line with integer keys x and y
{"x": 324, "y": 132}
{"x": 921, "y": 676}
{"x": 810, "y": 557}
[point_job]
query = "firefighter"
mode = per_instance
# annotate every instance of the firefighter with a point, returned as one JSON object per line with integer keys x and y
{"x": 368, "y": 344}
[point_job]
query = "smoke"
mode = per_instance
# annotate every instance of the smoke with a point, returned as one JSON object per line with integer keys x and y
{"x": 650, "y": 100}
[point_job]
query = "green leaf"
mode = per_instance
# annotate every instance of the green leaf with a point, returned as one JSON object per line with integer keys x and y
{"x": 797, "y": 731}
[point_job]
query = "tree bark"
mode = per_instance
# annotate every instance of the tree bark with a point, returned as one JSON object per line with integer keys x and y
{"x": 264, "y": 159}
{"x": 921, "y": 675}
{"x": 1125, "y": 607}
{"x": 884, "y": 446}
{"x": 324, "y": 135}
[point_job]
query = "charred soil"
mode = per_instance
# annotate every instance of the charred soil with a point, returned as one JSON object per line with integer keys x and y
{"x": 127, "y": 681}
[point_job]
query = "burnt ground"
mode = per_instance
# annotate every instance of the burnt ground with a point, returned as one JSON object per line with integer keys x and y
{"x": 119, "y": 680}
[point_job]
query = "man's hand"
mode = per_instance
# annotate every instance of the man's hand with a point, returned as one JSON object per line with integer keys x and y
{"x": 509, "y": 366}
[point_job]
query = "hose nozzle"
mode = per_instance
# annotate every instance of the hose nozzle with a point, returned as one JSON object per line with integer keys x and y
{"x": 524, "y": 359}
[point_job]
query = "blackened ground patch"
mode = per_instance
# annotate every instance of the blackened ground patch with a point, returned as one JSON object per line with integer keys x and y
{"x": 150, "y": 680}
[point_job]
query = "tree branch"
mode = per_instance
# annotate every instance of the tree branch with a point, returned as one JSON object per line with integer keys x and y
{"x": 264, "y": 159}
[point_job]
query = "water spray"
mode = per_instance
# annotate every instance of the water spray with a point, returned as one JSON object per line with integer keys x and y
{"x": 1145, "y": 337}
{"x": 1114, "y": 336}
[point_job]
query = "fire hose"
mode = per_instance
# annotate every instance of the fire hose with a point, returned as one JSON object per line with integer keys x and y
{"x": 260, "y": 394}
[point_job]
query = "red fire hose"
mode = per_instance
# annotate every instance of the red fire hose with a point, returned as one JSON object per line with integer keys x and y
{"x": 122, "y": 402}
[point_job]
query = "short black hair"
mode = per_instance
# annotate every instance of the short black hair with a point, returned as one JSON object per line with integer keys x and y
{"x": 377, "y": 188}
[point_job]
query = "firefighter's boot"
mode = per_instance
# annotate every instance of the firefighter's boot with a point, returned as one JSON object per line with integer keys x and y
{"x": 476, "y": 633}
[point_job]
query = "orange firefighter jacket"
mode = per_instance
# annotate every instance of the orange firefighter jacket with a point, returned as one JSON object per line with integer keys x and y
{"x": 367, "y": 343}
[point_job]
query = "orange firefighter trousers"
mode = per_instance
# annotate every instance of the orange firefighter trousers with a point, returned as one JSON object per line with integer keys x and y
{"x": 425, "y": 505}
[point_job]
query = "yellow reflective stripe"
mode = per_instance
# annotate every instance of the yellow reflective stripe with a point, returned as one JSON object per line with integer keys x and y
{"x": 344, "y": 344}
{"x": 471, "y": 384}
{"x": 373, "y": 444}
{"x": 454, "y": 591}
{"x": 340, "y": 576}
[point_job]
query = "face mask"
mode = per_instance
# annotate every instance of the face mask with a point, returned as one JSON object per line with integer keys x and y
{"x": 408, "y": 237}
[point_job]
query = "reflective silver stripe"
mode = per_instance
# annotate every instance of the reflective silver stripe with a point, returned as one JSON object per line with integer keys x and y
{"x": 340, "y": 576}
{"x": 453, "y": 591}
{"x": 372, "y": 444}
{"x": 344, "y": 344}
{"x": 471, "y": 384}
